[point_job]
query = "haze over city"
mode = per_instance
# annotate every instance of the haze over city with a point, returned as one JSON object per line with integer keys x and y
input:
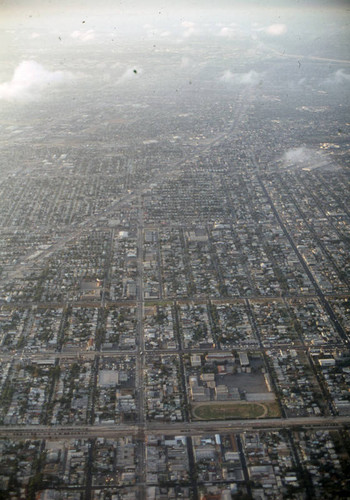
{"x": 174, "y": 250}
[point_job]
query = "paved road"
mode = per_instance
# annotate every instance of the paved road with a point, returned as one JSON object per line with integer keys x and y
{"x": 184, "y": 300}
{"x": 300, "y": 57}
{"x": 170, "y": 428}
{"x": 85, "y": 355}
{"x": 140, "y": 361}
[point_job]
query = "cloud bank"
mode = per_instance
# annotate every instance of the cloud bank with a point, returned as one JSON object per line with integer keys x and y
{"x": 190, "y": 29}
{"x": 338, "y": 78}
{"x": 29, "y": 81}
{"x": 129, "y": 75}
{"x": 250, "y": 78}
{"x": 83, "y": 36}
{"x": 298, "y": 155}
{"x": 276, "y": 29}
{"x": 306, "y": 159}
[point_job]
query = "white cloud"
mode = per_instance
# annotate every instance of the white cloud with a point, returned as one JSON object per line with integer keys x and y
{"x": 276, "y": 29}
{"x": 188, "y": 24}
{"x": 250, "y": 78}
{"x": 185, "y": 62}
{"x": 190, "y": 29}
{"x": 338, "y": 78}
{"x": 83, "y": 36}
{"x": 297, "y": 155}
{"x": 306, "y": 159}
{"x": 228, "y": 32}
{"x": 29, "y": 80}
{"x": 155, "y": 33}
{"x": 130, "y": 74}
{"x": 227, "y": 77}
{"x": 272, "y": 29}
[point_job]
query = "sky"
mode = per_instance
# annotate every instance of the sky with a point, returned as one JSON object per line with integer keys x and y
{"x": 63, "y": 9}
{"x": 90, "y": 19}
{"x": 33, "y": 31}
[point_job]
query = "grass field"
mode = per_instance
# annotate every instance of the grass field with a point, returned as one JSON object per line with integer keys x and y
{"x": 239, "y": 410}
{"x": 273, "y": 410}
